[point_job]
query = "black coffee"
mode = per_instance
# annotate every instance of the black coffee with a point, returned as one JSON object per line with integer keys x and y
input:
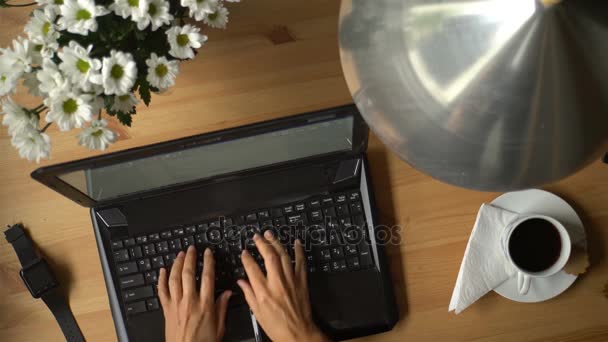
{"x": 535, "y": 245}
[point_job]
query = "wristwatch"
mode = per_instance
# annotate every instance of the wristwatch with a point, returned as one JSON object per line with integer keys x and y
{"x": 40, "y": 281}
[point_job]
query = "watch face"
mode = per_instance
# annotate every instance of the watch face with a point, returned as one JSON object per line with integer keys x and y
{"x": 38, "y": 278}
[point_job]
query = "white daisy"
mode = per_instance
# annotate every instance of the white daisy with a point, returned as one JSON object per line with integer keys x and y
{"x": 78, "y": 67}
{"x": 69, "y": 110}
{"x": 18, "y": 58}
{"x": 218, "y": 18}
{"x": 41, "y": 27}
{"x": 118, "y": 73}
{"x": 124, "y": 103}
{"x": 32, "y": 144}
{"x": 198, "y": 9}
{"x": 136, "y": 9}
{"x": 52, "y": 81}
{"x": 157, "y": 15}
{"x": 30, "y": 80}
{"x": 16, "y": 117}
{"x": 79, "y": 16}
{"x": 97, "y": 136}
{"x": 161, "y": 72}
{"x": 8, "y": 79}
{"x": 52, "y": 5}
{"x": 182, "y": 39}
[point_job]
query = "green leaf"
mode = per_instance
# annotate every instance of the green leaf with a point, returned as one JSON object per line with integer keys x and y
{"x": 124, "y": 118}
{"x": 3, "y": 3}
{"x": 144, "y": 91}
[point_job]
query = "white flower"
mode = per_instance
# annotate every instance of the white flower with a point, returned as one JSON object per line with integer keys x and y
{"x": 78, "y": 67}
{"x": 69, "y": 110}
{"x": 97, "y": 136}
{"x": 118, "y": 73}
{"x": 79, "y": 16}
{"x": 32, "y": 144}
{"x": 161, "y": 72}
{"x": 41, "y": 27}
{"x": 18, "y": 58}
{"x": 218, "y": 18}
{"x": 8, "y": 81}
{"x": 136, "y": 9}
{"x": 52, "y": 5}
{"x": 198, "y": 9}
{"x": 124, "y": 103}
{"x": 183, "y": 39}
{"x": 157, "y": 15}
{"x": 51, "y": 79}
{"x": 30, "y": 80}
{"x": 16, "y": 118}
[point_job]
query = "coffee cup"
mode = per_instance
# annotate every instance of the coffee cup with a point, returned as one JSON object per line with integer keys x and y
{"x": 537, "y": 246}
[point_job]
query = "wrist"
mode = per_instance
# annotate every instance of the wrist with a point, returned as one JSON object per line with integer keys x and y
{"x": 315, "y": 335}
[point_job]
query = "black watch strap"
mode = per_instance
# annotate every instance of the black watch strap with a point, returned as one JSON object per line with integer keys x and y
{"x": 53, "y": 298}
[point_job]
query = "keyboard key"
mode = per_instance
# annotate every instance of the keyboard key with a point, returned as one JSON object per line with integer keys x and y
{"x": 149, "y": 250}
{"x": 162, "y": 247}
{"x": 190, "y": 230}
{"x": 166, "y": 235}
{"x": 188, "y": 241}
{"x": 340, "y": 198}
{"x": 325, "y": 254}
{"x": 276, "y": 212}
{"x": 175, "y": 244}
{"x": 152, "y": 304}
{"x": 365, "y": 255}
{"x": 151, "y": 277}
{"x": 129, "y": 242}
{"x": 351, "y": 250}
{"x": 135, "y": 252}
{"x": 199, "y": 239}
{"x": 117, "y": 244}
{"x": 137, "y": 293}
{"x": 121, "y": 255}
{"x": 263, "y": 215}
{"x": 314, "y": 204}
{"x": 342, "y": 210}
{"x": 354, "y": 196}
{"x": 300, "y": 206}
{"x": 327, "y": 201}
{"x": 214, "y": 235}
{"x": 294, "y": 219}
{"x": 331, "y": 211}
{"x": 158, "y": 262}
{"x": 288, "y": 210}
{"x": 316, "y": 216}
{"x": 141, "y": 239}
{"x": 131, "y": 281}
{"x": 126, "y": 268}
{"x": 228, "y": 221}
{"x": 345, "y": 221}
{"x": 355, "y": 208}
{"x": 325, "y": 267}
{"x": 251, "y": 217}
{"x": 144, "y": 265}
{"x": 154, "y": 237}
{"x": 353, "y": 263}
{"x": 338, "y": 265}
{"x": 280, "y": 221}
{"x": 337, "y": 252}
{"x": 202, "y": 227}
{"x": 135, "y": 308}
{"x": 239, "y": 273}
{"x": 178, "y": 231}
{"x": 169, "y": 259}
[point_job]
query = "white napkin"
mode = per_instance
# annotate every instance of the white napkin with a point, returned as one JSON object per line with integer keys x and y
{"x": 484, "y": 265}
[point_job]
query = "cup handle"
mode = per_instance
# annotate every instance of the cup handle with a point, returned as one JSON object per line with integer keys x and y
{"x": 523, "y": 283}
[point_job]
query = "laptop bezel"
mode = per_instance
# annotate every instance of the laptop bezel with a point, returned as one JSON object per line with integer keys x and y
{"x": 49, "y": 175}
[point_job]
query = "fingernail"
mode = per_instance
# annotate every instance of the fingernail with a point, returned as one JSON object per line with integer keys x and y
{"x": 268, "y": 234}
{"x": 207, "y": 251}
{"x": 180, "y": 254}
{"x": 256, "y": 236}
{"x": 245, "y": 252}
{"x": 228, "y": 293}
{"x": 191, "y": 248}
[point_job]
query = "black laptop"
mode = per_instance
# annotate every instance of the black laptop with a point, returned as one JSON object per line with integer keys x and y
{"x": 304, "y": 176}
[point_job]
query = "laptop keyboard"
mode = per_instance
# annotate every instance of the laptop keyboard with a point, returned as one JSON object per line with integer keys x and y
{"x": 332, "y": 228}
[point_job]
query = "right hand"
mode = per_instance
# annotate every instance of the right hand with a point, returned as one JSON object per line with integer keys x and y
{"x": 279, "y": 301}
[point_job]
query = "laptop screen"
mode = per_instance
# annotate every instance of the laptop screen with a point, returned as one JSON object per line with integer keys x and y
{"x": 201, "y": 162}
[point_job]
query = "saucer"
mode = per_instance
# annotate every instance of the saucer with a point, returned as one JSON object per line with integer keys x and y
{"x": 535, "y": 201}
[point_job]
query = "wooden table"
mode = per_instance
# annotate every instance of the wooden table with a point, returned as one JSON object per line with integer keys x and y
{"x": 279, "y": 58}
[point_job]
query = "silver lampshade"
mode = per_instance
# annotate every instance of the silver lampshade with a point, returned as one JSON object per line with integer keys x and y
{"x": 489, "y": 94}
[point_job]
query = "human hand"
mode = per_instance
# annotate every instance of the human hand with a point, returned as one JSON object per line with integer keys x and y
{"x": 189, "y": 315}
{"x": 279, "y": 301}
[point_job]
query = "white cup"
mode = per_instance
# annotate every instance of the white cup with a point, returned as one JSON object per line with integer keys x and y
{"x": 523, "y": 276}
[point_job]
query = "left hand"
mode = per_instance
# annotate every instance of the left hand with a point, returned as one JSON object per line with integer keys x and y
{"x": 191, "y": 316}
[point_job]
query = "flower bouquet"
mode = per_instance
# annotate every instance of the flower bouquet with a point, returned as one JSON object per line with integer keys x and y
{"x": 87, "y": 57}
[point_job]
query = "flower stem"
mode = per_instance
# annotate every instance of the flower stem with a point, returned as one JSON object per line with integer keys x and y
{"x": 38, "y": 108}
{"x": 45, "y": 127}
{"x": 21, "y": 5}
{"x": 99, "y": 116}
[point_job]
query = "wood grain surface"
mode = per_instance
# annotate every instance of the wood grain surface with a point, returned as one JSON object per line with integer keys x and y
{"x": 279, "y": 58}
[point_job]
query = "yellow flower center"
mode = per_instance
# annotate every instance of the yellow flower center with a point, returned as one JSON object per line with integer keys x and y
{"x": 161, "y": 70}
{"x": 152, "y": 10}
{"x": 182, "y": 39}
{"x": 97, "y": 133}
{"x": 82, "y": 66}
{"x": 213, "y": 16}
{"x": 117, "y": 72}
{"x": 46, "y": 28}
{"x": 83, "y": 14}
{"x": 70, "y": 106}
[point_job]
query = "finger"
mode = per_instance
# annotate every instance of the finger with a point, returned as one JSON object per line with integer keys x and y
{"x": 300, "y": 268}
{"x": 175, "y": 277}
{"x": 221, "y": 305}
{"x": 250, "y": 297}
{"x": 254, "y": 273}
{"x": 285, "y": 260}
{"x": 208, "y": 276}
{"x": 188, "y": 281}
{"x": 272, "y": 259}
{"x": 163, "y": 290}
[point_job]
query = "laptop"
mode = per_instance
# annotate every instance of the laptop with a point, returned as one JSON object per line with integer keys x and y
{"x": 304, "y": 176}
